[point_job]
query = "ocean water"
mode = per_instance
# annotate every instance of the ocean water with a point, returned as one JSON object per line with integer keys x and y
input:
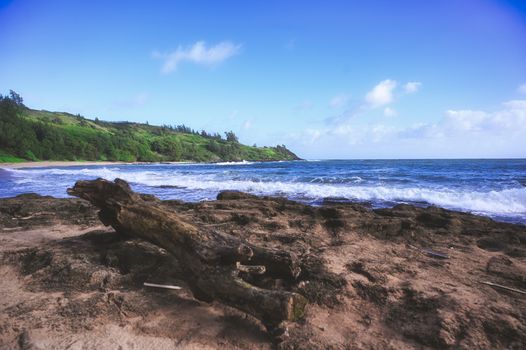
{"x": 495, "y": 188}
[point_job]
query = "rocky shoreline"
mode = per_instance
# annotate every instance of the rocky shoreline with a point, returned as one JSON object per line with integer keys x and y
{"x": 404, "y": 277}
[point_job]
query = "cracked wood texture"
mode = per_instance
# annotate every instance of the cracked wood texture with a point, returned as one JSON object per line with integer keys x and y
{"x": 210, "y": 259}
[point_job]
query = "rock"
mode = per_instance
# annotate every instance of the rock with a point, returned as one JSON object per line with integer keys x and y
{"x": 502, "y": 267}
{"x": 374, "y": 289}
{"x": 26, "y": 343}
{"x": 233, "y": 195}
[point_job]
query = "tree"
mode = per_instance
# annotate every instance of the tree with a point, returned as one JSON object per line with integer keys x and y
{"x": 231, "y": 137}
{"x": 47, "y": 138}
{"x": 16, "y": 98}
{"x": 214, "y": 147}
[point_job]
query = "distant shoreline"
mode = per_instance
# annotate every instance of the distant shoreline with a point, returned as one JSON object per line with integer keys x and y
{"x": 65, "y": 163}
{"x": 51, "y": 163}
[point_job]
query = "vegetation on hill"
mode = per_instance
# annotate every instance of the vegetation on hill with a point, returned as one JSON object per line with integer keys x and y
{"x": 27, "y": 134}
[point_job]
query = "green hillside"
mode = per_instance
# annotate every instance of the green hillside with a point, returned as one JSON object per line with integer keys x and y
{"x": 27, "y": 134}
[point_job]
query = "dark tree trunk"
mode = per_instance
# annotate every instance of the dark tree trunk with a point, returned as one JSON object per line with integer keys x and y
{"x": 211, "y": 261}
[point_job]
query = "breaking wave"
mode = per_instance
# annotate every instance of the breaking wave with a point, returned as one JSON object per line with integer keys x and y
{"x": 490, "y": 202}
{"x": 243, "y": 162}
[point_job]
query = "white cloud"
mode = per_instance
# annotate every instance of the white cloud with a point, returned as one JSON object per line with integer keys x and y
{"x": 457, "y": 134}
{"x": 313, "y": 135}
{"x": 247, "y": 124}
{"x": 381, "y": 94}
{"x": 389, "y": 112}
{"x": 504, "y": 124}
{"x": 412, "y": 87}
{"x": 522, "y": 89}
{"x": 198, "y": 53}
{"x": 339, "y": 101}
{"x": 515, "y": 105}
{"x": 464, "y": 120}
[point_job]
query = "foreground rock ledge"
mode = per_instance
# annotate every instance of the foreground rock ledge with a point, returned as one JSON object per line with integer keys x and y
{"x": 213, "y": 263}
{"x": 68, "y": 282}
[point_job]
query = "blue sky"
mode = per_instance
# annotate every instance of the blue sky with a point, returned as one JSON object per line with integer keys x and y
{"x": 330, "y": 79}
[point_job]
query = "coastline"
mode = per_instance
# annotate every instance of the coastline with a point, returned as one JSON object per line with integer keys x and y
{"x": 66, "y": 163}
{"x": 52, "y": 163}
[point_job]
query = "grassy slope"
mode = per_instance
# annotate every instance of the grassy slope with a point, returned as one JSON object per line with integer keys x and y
{"x": 7, "y": 158}
{"x": 192, "y": 147}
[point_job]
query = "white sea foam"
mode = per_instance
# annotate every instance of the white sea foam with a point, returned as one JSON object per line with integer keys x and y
{"x": 243, "y": 162}
{"x": 502, "y": 202}
{"x": 336, "y": 179}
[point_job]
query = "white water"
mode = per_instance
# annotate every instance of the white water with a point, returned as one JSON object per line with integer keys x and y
{"x": 493, "y": 202}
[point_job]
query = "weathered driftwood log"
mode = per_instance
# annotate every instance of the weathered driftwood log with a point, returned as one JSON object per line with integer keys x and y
{"x": 211, "y": 261}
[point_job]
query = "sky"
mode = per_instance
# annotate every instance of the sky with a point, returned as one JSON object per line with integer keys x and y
{"x": 329, "y": 79}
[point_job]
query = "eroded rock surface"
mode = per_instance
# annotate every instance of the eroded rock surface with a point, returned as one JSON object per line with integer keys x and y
{"x": 67, "y": 281}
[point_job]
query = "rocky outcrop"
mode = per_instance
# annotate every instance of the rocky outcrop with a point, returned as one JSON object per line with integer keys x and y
{"x": 404, "y": 277}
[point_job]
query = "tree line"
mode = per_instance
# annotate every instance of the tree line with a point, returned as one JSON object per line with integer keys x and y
{"x": 78, "y": 138}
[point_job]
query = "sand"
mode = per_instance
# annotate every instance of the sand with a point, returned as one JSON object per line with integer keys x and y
{"x": 67, "y": 282}
{"x": 43, "y": 164}
{"x": 46, "y": 164}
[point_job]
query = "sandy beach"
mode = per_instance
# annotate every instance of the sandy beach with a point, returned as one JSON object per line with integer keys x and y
{"x": 43, "y": 164}
{"x": 54, "y": 163}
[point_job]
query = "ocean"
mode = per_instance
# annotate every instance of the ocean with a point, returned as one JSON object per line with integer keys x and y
{"x": 494, "y": 188}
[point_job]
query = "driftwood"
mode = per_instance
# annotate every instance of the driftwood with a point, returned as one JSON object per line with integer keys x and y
{"x": 164, "y": 286}
{"x": 503, "y": 287}
{"x": 213, "y": 262}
